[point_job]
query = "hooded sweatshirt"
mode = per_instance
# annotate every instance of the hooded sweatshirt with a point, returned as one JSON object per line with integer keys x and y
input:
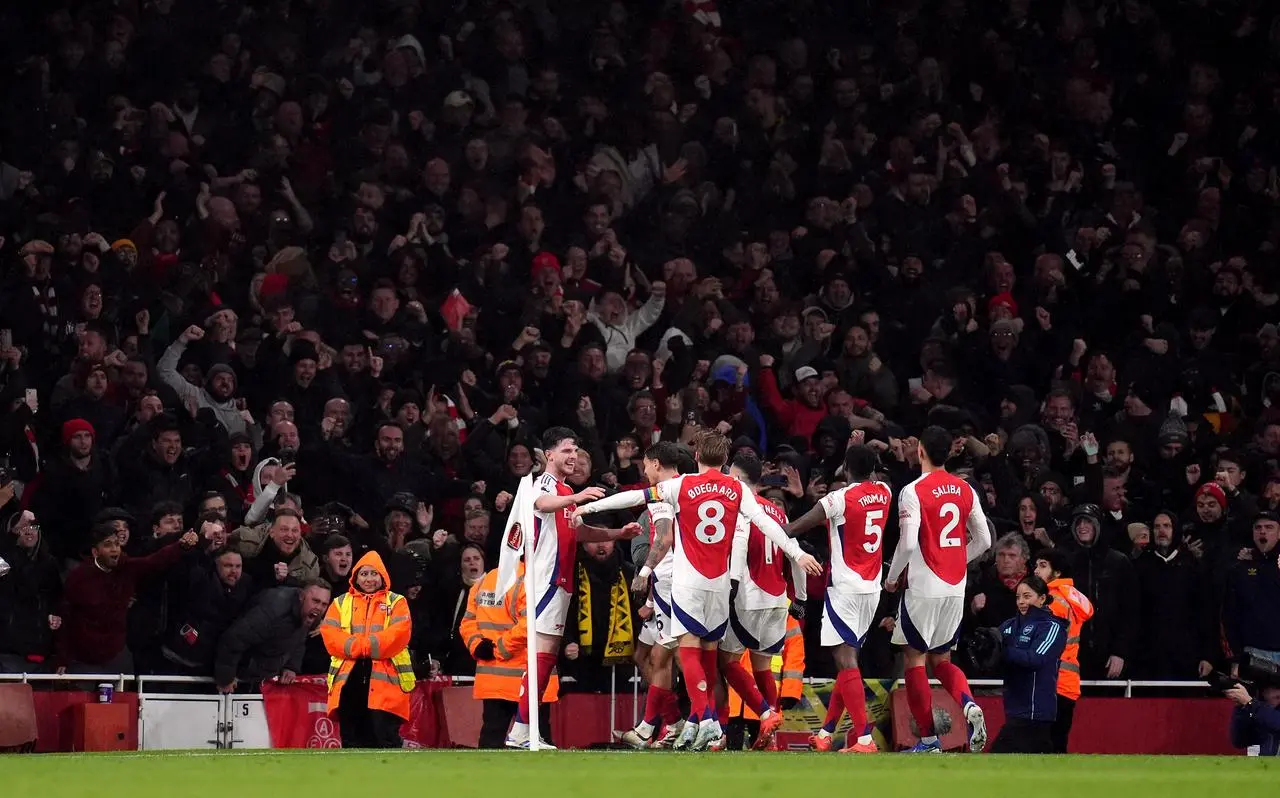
{"x": 227, "y": 413}
{"x": 1106, "y": 577}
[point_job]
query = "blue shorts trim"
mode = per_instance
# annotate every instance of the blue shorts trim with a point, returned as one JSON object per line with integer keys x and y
{"x": 915, "y": 639}
{"x": 843, "y": 629}
{"x": 696, "y": 628}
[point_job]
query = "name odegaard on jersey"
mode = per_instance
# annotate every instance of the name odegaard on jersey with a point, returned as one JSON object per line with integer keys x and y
{"x": 712, "y": 487}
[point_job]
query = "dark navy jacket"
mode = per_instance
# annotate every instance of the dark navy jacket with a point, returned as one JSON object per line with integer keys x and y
{"x": 1256, "y": 724}
{"x": 1033, "y": 643}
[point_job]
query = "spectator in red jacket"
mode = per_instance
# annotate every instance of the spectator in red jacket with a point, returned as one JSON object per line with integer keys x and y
{"x": 96, "y": 601}
{"x": 799, "y": 416}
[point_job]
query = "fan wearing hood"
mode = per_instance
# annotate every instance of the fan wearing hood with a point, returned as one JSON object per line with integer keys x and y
{"x": 367, "y": 632}
{"x": 218, "y": 393}
{"x": 29, "y": 595}
{"x": 1176, "y": 628}
{"x": 1106, "y": 577}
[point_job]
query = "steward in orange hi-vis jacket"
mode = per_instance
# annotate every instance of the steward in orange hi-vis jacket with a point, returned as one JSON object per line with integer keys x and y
{"x": 366, "y": 632}
{"x": 496, "y": 632}
{"x": 1068, "y": 603}
{"x": 788, "y": 669}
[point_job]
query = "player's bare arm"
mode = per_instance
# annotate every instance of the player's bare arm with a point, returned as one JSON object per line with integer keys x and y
{"x": 597, "y": 534}
{"x": 553, "y": 504}
{"x": 596, "y": 504}
{"x": 662, "y": 540}
{"x": 815, "y": 517}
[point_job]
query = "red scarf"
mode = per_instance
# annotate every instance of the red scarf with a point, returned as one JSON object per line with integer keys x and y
{"x": 1011, "y": 582}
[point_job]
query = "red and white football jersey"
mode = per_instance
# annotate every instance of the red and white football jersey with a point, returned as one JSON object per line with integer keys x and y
{"x": 764, "y": 580}
{"x": 856, "y": 517}
{"x": 934, "y": 513}
{"x": 555, "y": 544}
{"x": 707, "y": 508}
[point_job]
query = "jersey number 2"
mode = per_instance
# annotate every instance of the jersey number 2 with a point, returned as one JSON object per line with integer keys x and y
{"x": 951, "y": 514}
{"x": 710, "y": 528}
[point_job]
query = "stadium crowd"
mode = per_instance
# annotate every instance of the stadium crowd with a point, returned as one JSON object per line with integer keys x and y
{"x": 286, "y": 282}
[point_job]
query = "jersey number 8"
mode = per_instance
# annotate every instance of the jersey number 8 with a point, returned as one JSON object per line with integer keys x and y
{"x": 710, "y": 528}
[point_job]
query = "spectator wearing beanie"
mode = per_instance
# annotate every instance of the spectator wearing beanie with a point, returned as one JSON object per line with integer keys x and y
{"x": 1207, "y": 528}
{"x": 74, "y": 489}
{"x": 93, "y": 401}
{"x": 220, "y": 383}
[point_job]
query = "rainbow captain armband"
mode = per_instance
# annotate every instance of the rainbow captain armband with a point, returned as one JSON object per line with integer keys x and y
{"x": 651, "y": 495}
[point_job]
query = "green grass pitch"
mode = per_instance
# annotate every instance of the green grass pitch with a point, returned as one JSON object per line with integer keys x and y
{"x": 567, "y": 774}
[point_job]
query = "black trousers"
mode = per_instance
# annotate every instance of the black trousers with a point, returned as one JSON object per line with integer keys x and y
{"x": 1020, "y": 736}
{"x": 1061, "y": 731}
{"x": 496, "y": 719}
{"x": 496, "y": 716}
{"x": 363, "y": 727}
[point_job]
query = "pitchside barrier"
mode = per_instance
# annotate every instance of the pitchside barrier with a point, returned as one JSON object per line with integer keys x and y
{"x": 183, "y": 712}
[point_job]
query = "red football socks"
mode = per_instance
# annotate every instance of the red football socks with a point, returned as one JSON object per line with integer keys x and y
{"x": 920, "y": 701}
{"x": 852, "y": 691}
{"x": 954, "y": 682}
{"x": 768, "y": 687}
{"x": 744, "y": 686}
{"x": 655, "y": 703}
{"x": 695, "y": 680}
{"x": 835, "y": 708}
{"x": 671, "y": 708}
{"x": 546, "y": 664}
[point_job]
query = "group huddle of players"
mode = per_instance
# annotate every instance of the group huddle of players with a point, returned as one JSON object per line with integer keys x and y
{"x": 717, "y": 586}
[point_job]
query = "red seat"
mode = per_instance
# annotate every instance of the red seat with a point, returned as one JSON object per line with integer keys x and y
{"x": 17, "y": 718}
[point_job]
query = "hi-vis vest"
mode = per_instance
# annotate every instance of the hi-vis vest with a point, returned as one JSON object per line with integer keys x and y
{"x": 788, "y": 671}
{"x": 403, "y": 662}
{"x": 1068, "y": 603}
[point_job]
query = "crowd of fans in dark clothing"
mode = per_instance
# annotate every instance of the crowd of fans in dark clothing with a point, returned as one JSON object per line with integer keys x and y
{"x": 286, "y": 281}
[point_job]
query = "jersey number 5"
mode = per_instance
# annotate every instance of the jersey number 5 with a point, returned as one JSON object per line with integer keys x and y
{"x": 874, "y": 531}
{"x": 951, "y": 514}
{"x": 710, "y": 528}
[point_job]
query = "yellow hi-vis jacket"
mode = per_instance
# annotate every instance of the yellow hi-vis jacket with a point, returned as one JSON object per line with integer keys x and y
{"x": 376, "y": 627}
{"x": 503, "y": 620}
{"x": 788, "y": 669}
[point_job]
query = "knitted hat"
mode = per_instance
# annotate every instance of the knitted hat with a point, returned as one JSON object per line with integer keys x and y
{"x": 1003, "y": 300}
{"x": 1214, "y": 490}
{"x": 1173, "y": 430}
{"x": 123, "y": 243}
{"x": 220, "y": 368}
{"x": 303, "y": 350}
{"x": 75, "y": 426}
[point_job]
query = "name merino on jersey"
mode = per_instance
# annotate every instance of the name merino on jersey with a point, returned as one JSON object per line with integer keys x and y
{"x": 934, "y": 513}
{"x": 856, "y": 517}
{"x": 763, "y": 584}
